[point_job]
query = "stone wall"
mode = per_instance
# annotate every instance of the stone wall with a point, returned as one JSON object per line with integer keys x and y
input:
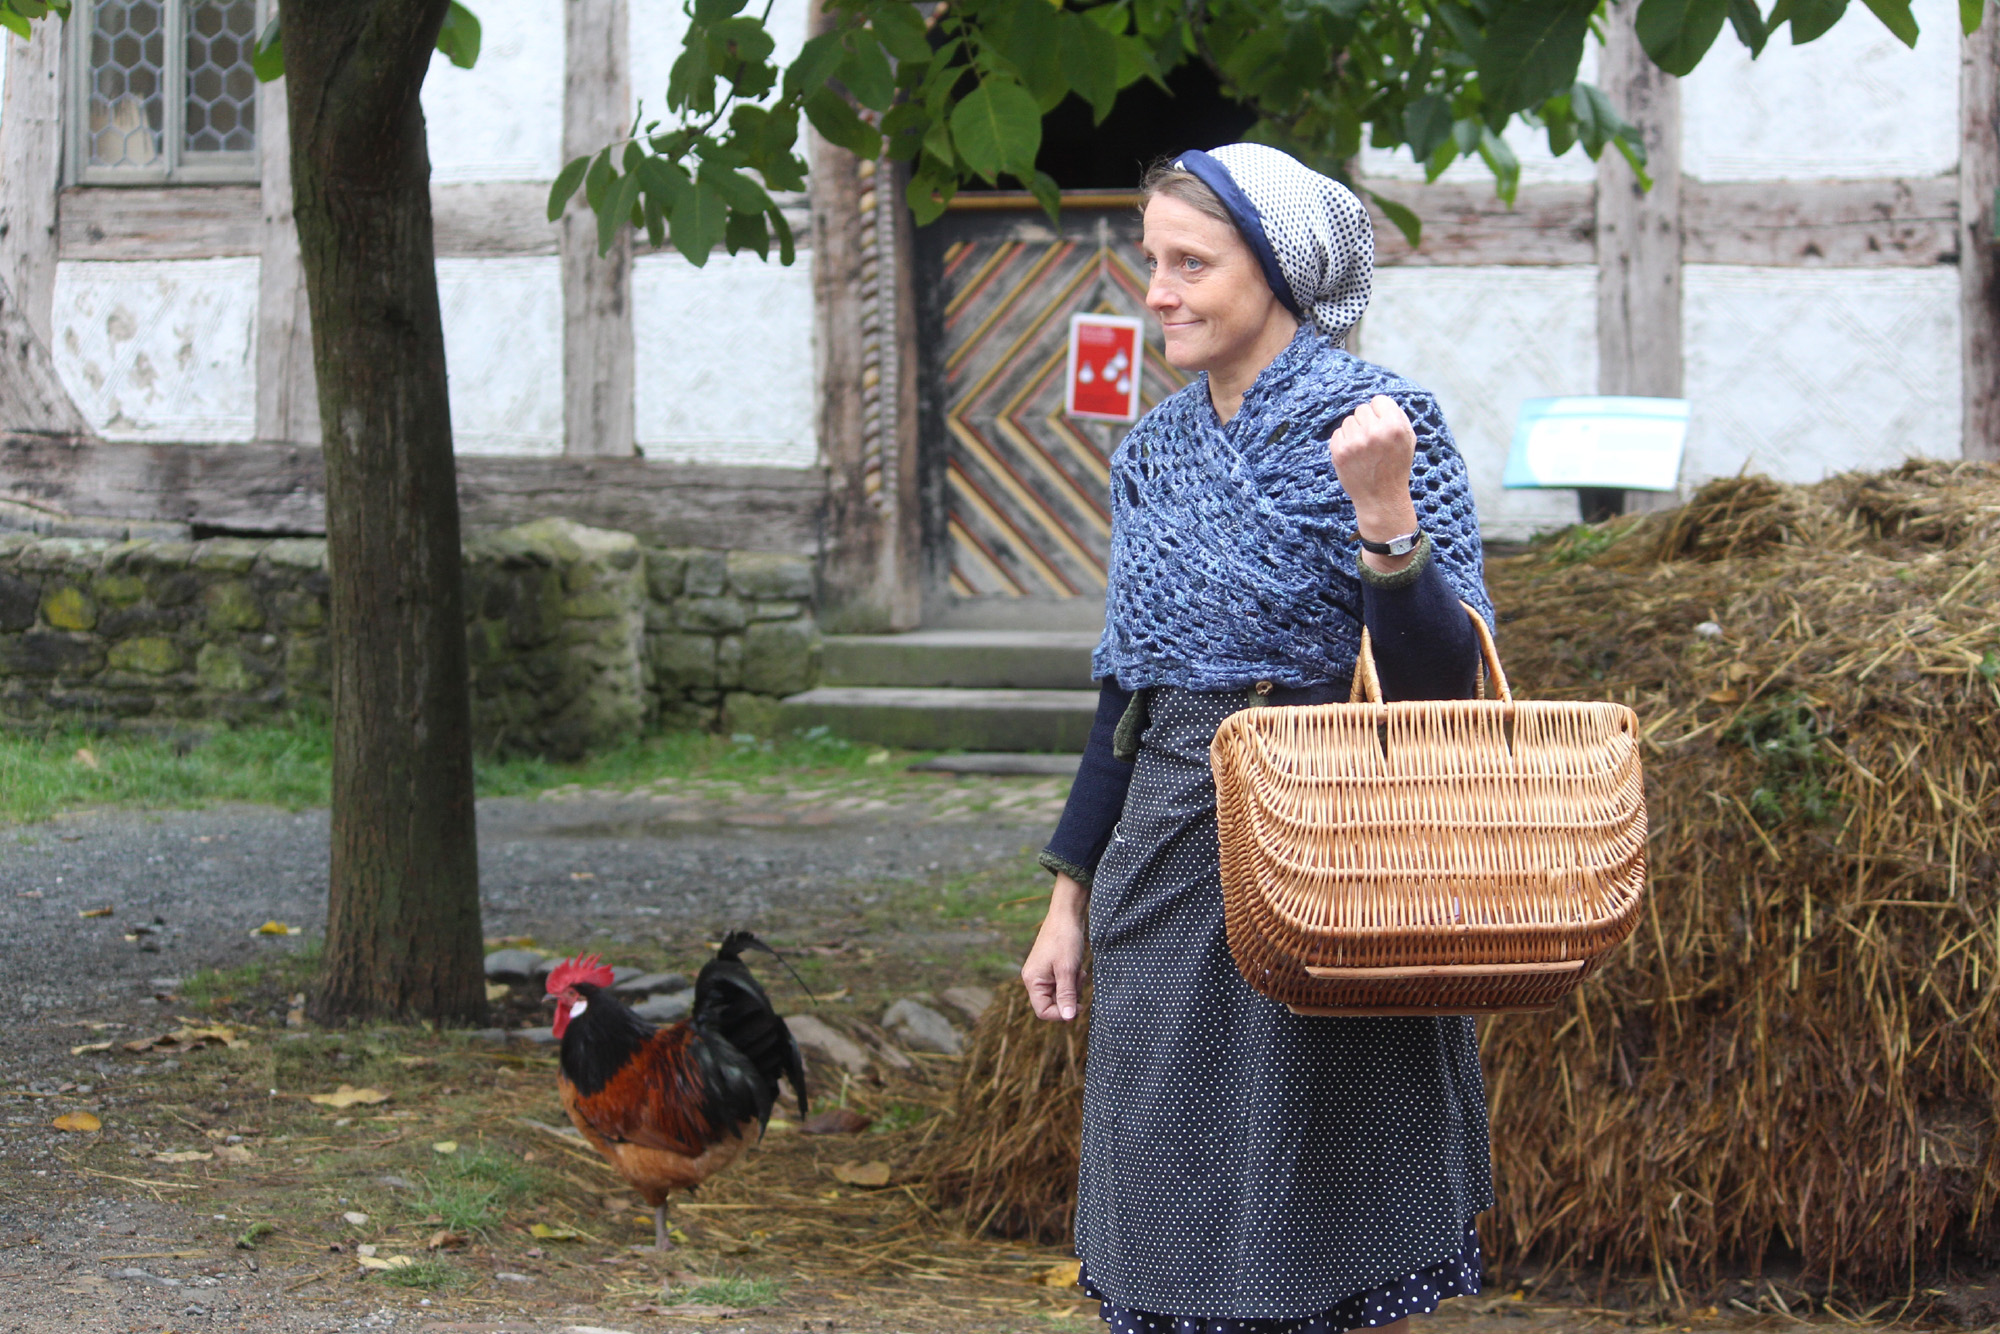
{"x": 577, "y": 637}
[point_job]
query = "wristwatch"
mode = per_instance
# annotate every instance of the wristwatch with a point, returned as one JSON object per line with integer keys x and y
{"x": 1395, "y": 546}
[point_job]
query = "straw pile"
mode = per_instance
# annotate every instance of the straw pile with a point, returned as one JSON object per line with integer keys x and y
{"x": 1799, "y": 1049}
{"x": 1006, "y": 1160}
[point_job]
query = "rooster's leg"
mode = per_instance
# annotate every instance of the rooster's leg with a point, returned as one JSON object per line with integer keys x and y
{"x": 660, "y": 1239}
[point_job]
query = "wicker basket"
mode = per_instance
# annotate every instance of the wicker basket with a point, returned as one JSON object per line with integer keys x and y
{"x": 1430, "y": 857}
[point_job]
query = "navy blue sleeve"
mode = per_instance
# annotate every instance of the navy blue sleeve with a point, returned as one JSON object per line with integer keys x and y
{"x": 1097, "y": 797}
{"x": 1424, "y": 643}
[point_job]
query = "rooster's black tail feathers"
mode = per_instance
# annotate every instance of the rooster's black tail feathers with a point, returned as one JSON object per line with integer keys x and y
{"x": 729, "y": 1003}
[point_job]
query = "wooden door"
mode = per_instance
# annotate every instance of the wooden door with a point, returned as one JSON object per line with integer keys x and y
{"x": 1020, "y": 489}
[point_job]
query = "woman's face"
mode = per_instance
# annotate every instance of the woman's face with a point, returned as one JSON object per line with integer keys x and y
{"x": 1207, "y": 289}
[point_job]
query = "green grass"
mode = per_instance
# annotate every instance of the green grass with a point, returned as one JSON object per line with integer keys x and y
{"x": 731, "y": 1292}
{"x": 429, "y": 1273}
{"x": 474, "y": 1196}
{"x": 288, "y": 764}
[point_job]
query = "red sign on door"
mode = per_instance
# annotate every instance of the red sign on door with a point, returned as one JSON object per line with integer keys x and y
{"x": 1104, "y": 355}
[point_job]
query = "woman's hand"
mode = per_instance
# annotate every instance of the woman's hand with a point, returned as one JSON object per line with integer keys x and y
{"x": 1372, "y": 453}
{"x": 1054, "y": 968}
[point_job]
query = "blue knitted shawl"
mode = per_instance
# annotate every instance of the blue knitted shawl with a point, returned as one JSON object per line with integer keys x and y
{"x": 1233, "y": 546}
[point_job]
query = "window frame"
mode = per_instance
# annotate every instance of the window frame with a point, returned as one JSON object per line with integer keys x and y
{"x": 176, "y": 166}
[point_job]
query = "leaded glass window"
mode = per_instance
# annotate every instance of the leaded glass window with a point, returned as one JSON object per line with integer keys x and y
{"x": 167, "y": 92}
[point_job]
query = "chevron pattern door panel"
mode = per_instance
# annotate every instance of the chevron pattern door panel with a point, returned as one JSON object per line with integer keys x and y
{"x": 1026, "y": 487}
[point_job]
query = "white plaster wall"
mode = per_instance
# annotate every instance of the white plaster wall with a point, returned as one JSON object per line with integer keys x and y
{"x": 1483, "y": 339}
{"x": 502, "y": 119}
{"x": 1800, "y": 373}
{"x": 1854, "y": 104}
{"x": 657, "y": 27}
{"x": 503, "y": 323}
{"x": 1530, "y": 145}
{"x": 724, "y": 360}
{"x": 160, "y": 350}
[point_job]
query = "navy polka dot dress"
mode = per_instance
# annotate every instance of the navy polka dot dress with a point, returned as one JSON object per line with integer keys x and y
{"x": 1247, "y": 1170}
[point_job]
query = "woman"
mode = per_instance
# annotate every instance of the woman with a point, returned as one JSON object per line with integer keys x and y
{"x": 1247, "y": 1170}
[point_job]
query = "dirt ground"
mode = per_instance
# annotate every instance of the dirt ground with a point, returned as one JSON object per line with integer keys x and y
{"x": 204, "y": 1189}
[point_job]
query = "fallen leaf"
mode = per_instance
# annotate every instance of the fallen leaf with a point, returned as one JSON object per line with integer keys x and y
{"x": 86, "y": 757}
{"x": 347, "y": 1096}
{"x": 227, "y": 1036}
{"x": 89, "y": 1047}
{"x": 836, "y": 1121}
{"x": 875, "y": 1172}
{"x": 184, "y": 1156}
{"x": 510, "y": 942}
{"x": 445, "y": 1240}
{"x": 414, "y": 1062}
{"x": 445, "y": 1146}
{"x": 77, "y": 1121}
{"x": 1062, "y": 1275}
{"x": 497, "y": 991}
{"x": 94, "y": 912}
{"x": 554, "y": 1232}
{"x": 276, "y": 929}
{"x": 583, "y": 875}
{"x": 234, "y": 1153}
{"x": 378, "y": 1262}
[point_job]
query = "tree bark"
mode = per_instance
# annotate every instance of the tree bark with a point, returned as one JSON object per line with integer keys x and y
{"x": 403, "y": 934}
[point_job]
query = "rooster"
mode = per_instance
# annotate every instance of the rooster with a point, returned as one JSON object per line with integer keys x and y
{"x": 670, "y": 1107}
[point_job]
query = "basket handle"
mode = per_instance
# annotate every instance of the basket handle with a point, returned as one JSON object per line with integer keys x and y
{"x": 1367, "y": 688}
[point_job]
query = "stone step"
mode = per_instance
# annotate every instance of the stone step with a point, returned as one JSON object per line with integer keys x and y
{"x": 964, "y": 659}
{"x": 917, "y": 718}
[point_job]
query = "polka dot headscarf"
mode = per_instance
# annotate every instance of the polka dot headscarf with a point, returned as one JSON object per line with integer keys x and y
{"x": 1309, "y": 232}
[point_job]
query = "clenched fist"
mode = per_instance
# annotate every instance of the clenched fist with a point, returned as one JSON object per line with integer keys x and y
{"x": 1372, "y": 452}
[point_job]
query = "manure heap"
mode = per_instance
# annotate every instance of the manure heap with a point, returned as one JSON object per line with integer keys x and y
{"x": 1797, "y": 1050}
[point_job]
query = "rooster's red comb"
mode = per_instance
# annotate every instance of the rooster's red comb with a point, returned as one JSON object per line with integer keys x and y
{"x": 583, "y": 968}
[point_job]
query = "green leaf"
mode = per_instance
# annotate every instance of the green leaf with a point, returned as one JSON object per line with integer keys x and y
{"x": 1813, "y": 18}
{"x": 743, "y": 39}
{"x": 1749, "y": 25}
{"x": 17, "y": 25}
{"x": 656, "y": 220}
{"x": 616, "y": 210}
{"x": 1088, "y": 58}
{"x": 814, "y": 65}
{"x": 1048, "y": 194}
{"x": 1560, "y": 124}
{"x": 1531, "y": 51}
{"x": 901, "y": 29}
{"x": 1970, "y": 12}
{"x": 866, "y": 72}
{"x": 1405, "y": 219}
{"x": 768, "y": 137}
{"x": 1027, "y": 35}
{"x": 787, "y": 249}
{"x": 691, "y": 82}
{"x": 737, "y": 190}
{"x": 598, "y": 179}
{"x": 1426, "y": 124}
{"x": 839, "y": 125}
{"x": 928, "y": 195}
{"x": 1500, "y": 160}
{"x": 698, "y": 223}
{"x": 1678, "y": 33}
{"x": 715, "y": 11}
{"x": 458, "y": 39}
{"x": 746, "y": 231}
{"x": 997, "y": 127}
{"x": 937, "y": 141}
{"x": 267, "y": 60}
{"x": 565, "y": 185}
{"x": 1896, "y": 17}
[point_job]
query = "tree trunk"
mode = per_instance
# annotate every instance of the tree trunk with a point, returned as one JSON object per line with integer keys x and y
{"x": 403, "y": 934}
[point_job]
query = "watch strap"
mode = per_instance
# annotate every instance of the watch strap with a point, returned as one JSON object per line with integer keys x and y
{"x": 1395, "y": 546}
